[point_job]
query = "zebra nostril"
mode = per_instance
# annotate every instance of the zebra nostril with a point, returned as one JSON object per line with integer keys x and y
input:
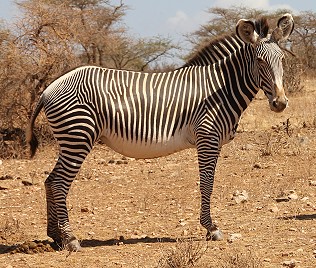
{"x": 275, "y": 104}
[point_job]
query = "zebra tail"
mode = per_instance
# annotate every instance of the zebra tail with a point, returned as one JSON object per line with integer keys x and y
{"x": 30, "y": 137}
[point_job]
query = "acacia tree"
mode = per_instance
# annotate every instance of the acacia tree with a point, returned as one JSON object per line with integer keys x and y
{"x": 54, "y": 36}
{"x": 305, "y": 37}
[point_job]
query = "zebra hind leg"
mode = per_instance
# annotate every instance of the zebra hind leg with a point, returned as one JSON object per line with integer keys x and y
{"x": 52, "y": 220}
{"x": 57, "y": 186}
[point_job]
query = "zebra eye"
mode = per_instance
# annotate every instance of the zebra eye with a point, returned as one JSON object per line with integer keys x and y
{"x": 260, "y": 60}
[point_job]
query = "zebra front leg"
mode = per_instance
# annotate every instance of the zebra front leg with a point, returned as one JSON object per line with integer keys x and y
{"x": 207, "y": 163}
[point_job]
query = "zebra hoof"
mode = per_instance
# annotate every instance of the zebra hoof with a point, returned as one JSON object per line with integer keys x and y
{"x": 215, "y": 235}
{"x": 73, "y": 246}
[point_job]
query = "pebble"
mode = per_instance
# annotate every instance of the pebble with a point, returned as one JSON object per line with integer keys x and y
{"x": 274, "y": 209}
{"x": 312, "y": 183}
{"x": 293, "y": 196}
{"x": 257, "y": 165}
{"x": 290, "y": 263}
{"x": 27, "y": 183}
{"x": 240, "y": 197}
{"x": 247, "y": 147}
{"x": 287, "y": 196}
{"x": 234, "y": 237}
{"x": 84, "y": 210}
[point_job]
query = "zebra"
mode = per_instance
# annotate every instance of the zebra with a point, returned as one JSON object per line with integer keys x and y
{"x": 148, "y": 115}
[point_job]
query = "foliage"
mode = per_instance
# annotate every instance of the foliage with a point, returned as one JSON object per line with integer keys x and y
{"x": 52, "y": 36}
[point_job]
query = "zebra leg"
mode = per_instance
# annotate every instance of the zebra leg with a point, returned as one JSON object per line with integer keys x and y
{"x": 57, "y": 188}
{"x": 52, "y": 220}
{"x": 207, "y": 156}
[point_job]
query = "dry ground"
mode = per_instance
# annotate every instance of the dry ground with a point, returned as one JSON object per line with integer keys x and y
{"x": 135, "y": 213}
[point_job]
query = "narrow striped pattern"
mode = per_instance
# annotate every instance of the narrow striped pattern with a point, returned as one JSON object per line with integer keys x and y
{"x": 146, "y": 115}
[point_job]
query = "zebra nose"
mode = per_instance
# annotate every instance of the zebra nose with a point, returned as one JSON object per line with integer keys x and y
{"x": 280, "y": 103}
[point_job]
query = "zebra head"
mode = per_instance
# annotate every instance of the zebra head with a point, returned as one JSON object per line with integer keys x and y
{"x": 269, "y": 55}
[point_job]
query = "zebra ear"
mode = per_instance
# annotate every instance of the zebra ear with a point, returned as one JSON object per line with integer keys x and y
{"x": 245, "y": 29}
{"x": 284, "y": 29}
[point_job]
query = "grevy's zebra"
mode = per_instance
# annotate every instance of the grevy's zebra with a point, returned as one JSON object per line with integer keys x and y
{"x": 146, "y": 115}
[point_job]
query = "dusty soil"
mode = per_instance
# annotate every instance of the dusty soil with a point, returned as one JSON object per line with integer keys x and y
{"x": 135, "y": 213}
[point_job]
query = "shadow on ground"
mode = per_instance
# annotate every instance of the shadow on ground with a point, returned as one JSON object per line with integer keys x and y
{"x": 40, "y": 246}
{"x": 130, "y": 241}
{"x": 305, "y": 217}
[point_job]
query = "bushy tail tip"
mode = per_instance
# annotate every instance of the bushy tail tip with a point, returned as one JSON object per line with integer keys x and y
{"x": 31, "y": 140}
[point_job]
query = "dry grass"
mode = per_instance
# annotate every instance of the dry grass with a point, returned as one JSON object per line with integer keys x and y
{"x": 240, "y": 259}
{"x": 183, "y": 254}
{"x": 10, "y": 230}
{"x": 195, "y": 254}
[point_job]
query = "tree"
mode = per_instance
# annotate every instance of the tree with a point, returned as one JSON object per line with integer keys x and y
{"x": 53, "y": 36}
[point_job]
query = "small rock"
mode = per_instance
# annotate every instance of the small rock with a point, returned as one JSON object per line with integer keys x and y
{"x": 247, "y": 147}
{"x": 234, "y": 237}
{"x": 287, "y": 196}
{"x": 27, "y": 183}
{"x": 182, "y": 222}
{"x": 257, "y": 165}
{"x": 293, "y": 196}
{"x": 1, "y": 162}
{"x": 303, "y": 140}
{"x": 102, "y": 161}
{"x": 84, "y": 210}
{"x": 274, "y": 209}
{"x": 32, "y": 245}
{"x": 312, "y": 183}
{"x": 240, "y": 197}
{"x": 282, "y": 199}
{"x": 291, "y": 263}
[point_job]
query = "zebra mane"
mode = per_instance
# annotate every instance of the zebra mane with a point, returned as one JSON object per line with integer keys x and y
{"x": 223, "y": 46}
{"x": 262, "y": 27}
{"x": 216, "y": 50}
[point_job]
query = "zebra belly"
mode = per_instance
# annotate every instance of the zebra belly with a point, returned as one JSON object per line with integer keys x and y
{"x": 142, "y": 149}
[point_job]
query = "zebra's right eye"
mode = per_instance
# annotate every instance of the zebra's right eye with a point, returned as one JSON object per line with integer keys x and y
{"x": 261, "y": 61}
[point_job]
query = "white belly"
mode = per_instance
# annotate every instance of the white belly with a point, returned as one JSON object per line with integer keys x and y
{"x": 141, "y": 150}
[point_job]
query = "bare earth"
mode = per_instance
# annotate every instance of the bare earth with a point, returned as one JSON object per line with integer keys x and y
{"x": 133, "y": 213}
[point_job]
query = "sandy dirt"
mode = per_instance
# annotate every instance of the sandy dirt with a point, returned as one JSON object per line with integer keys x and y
{"x": 133, "y": 213}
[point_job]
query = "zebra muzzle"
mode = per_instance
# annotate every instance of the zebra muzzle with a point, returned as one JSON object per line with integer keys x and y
{"x": 279, "y": 104}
